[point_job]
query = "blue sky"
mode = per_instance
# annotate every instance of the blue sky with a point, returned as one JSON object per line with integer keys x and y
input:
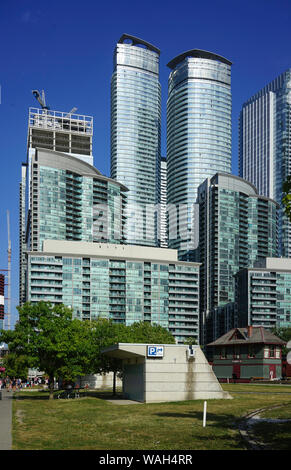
{"x": 66, "y": 48}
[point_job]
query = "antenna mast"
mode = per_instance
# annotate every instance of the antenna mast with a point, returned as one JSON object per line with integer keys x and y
{"x": 9, "y": 273}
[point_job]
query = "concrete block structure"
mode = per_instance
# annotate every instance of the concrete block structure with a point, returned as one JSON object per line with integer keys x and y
{"x": 164, "y": 373}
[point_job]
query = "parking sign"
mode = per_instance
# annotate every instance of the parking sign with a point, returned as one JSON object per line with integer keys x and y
{"x": 155, "y": 351}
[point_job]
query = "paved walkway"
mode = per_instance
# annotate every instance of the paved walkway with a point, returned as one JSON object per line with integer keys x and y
{"x": 6, "y": 420}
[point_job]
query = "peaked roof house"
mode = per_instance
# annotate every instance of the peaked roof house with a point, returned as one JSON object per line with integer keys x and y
{"x": 243, "y": 354}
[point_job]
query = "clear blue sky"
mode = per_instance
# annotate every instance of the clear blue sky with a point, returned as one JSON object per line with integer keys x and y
{"x": 66, "y": 48}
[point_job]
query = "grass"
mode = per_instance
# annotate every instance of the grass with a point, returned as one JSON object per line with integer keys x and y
{"x": 92, "y": 423}
{"x": 275, "y": 434}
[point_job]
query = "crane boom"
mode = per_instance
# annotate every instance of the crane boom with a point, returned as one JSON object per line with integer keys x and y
{"x": 40, "y": 98}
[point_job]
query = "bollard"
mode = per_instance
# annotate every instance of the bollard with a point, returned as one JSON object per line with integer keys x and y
{"x": 204, "y": 414}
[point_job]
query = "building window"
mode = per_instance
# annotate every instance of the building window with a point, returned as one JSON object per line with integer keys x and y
{"x": 272, "y": 350}
{"x": 266, "y": 352}
{"x": 223, "y": 354}
{"x": 251, "y": 353}
{"x": 236, "y": 352}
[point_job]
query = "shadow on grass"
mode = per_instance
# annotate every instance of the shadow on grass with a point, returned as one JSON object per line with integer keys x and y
{"x": 221, "y": 425}
{"x": 44, "y": 395}
{"x": 214, "y": 419}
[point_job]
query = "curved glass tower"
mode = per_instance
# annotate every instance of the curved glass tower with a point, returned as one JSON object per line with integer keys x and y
{"x": 198, "y": 137}
{"x": 135, "y": 134}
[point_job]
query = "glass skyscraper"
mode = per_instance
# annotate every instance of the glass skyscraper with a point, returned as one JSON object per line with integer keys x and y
{"x": 163, "y": 235}
{"x": 70, "y": 200}
{"x": 265, "y": 145}
{"x": 238, "y": 227}
{"x": 135, "y": 134}
{"x": 198, "y": 135}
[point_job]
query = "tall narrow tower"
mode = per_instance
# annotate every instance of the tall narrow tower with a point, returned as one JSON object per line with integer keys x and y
{"x": 198, "y": 136}
{"x": 265, "y": 146}
{"x": 135, "y": 134}
{"x": 2, "y": 289}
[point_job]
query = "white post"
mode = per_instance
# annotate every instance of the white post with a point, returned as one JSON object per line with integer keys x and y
{"x": 204, "y": 414}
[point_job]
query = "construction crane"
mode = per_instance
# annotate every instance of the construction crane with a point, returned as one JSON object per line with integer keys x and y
{"x": 73, "y": 110}
{"x": 9, "y": 274}
{"x": 41, "y": 99}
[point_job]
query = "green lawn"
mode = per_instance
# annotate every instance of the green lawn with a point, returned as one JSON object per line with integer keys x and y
{"x": 92, "y": 423}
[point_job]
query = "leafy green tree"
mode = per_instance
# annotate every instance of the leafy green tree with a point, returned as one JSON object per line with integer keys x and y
{"x": 105, "y": 333}
{"x": 286, "y": 199}
{"x": 283, "y": 333}
{"x": 51, "y": 341}
{"x": 145, "y": 332}
{"x": 190, "y": 341}
{"x": 15, "y": 365}
{"x": 109, "y": 333}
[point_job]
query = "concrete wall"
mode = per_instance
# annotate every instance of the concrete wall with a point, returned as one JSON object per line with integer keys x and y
{"x": 172, "y": 377}
{"x": 176, "y": 378}
{"x": 99, "y": 381}
{"x": 110, "y": 250}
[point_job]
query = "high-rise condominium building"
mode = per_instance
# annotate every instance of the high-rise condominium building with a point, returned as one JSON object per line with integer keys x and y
{"x": 63, "y": 197}
{"x": 163, "y": 236}
{"x": 63, "y": 132}
{"x": 135, "y": 134}
{"x": 263, "y": 294}
{"x": 265, "y": 145}
{"x": 120, "y": 282}
{"x": 237, "y": 228}
{"x": 71, "y": 200}
{"x": 198, "y": 136}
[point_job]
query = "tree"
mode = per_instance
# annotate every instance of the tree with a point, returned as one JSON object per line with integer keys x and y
{"x": 145, "y": 332}
{"x": 108, "y": 333}
{"x": 190, "y": 341}
{"x": 51, "y": 341}
{"x": 15, "y": 365}
{"x": 283, "y": 333}
{"x": 286, "y": 199}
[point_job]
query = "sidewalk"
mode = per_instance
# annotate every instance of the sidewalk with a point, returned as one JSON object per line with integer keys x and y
{"x": 6, "y": 420}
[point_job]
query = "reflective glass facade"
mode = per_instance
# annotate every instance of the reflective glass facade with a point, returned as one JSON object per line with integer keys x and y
{"x": 135, "y": 134}
{"x": 265, "y": 145}
{"x": 122, "y": 289}
{"x": 71, "y": 200}
{"x": 198, "y": 129}
{"x": 74, "y": 205}
{"x": 263, "y": 296}
{"x": 237, "y": 228}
